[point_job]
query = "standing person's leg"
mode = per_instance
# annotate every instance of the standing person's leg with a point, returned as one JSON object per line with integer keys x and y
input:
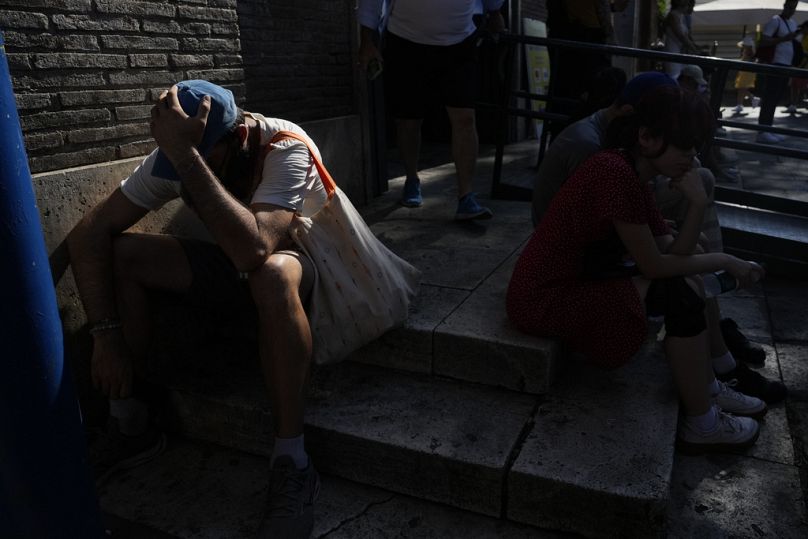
{"x": 279, "y": 288}
{"x": 405, "y": 91}
{"x": 456, "y": 69}
{"x": 465, "y": 146}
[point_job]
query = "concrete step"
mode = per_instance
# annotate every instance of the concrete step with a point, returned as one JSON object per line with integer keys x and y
{"x": 458, "y": 327}
{"x": 600, "y": 440}
{"x": 204, "y": 491}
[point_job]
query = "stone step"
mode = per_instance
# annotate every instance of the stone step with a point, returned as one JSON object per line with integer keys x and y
{"x": 600, "y": 440}
{"x": 204, "y": 491}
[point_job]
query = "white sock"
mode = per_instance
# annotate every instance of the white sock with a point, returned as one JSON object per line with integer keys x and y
{"x": 292, "y": 447}
{"x": 713, "y": 388}
{"x": 132, "y": 415}
{"x": 724, "y": 364}
{"x": 705, "y": 422}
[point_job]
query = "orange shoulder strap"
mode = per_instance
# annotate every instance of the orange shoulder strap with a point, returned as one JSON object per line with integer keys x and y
{"x": 325, "y": 177}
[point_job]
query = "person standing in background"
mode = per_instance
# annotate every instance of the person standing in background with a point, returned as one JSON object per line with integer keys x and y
{"x": 430, "y": 54}
{"x": 779, "y": 32}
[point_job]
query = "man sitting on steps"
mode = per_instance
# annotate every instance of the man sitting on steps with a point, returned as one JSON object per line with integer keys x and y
{"x": 584, "y": 138}
{"x": 212, "y": 154}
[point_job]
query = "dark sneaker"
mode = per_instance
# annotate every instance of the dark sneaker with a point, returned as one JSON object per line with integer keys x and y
{"x": 736, "y": 403}
{"x": 751, "y": 383}
{"x": 411, "y": 194}
{"x": 292, "y": 494}
{"x": 730, "y": 434}
{"x": 112, "y": 452}
{"x": 468, "y": 208}
{"x": 741, "y": 348}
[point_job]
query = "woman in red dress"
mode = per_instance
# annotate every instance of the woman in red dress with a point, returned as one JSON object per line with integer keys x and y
{"x": 602, "y": 259}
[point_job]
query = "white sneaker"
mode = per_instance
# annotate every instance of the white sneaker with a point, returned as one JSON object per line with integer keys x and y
{"x": 737, "y": 403}
{"x": 730, "y": 433}
{"x": 769, "y": 138}
{"x": 755, "y": 101}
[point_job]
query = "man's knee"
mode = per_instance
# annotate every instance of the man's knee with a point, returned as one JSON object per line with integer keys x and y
{"x": 461, "y": 119}
{"x": 277, "y": 278}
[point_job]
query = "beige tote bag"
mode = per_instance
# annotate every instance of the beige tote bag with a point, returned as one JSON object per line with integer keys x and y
{"x": 362, "y": 289}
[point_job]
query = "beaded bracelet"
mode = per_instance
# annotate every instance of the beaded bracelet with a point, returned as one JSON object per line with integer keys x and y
{"x": 107, "y": 324}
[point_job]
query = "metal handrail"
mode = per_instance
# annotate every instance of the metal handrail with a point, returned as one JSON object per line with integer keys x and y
{"x": 720, "y": 66}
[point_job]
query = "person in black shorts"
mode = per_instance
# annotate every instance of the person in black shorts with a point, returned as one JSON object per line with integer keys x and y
{"x": 430, "y": 60}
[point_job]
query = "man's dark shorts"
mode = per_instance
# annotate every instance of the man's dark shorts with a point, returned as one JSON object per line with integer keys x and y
{"x": 416, "y": 76}
{"x": 216, "y": 281}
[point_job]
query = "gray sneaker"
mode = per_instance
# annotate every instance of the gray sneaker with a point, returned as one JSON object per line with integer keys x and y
{"x": 292, "y": 494}
{"x": 736, "y": 403}
{"x": 730, "y": 434}
{"x": 111, "y": 451}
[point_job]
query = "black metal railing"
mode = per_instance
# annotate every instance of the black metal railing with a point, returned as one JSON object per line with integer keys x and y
{"x": 719, "y": 69}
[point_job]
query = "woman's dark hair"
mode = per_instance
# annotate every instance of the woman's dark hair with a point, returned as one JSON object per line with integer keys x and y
{"x": 681, "y": 117}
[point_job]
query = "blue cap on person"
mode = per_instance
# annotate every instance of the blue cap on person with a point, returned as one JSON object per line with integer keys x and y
{"x": 222, "y": 116}
{"x": 642, "y": 83}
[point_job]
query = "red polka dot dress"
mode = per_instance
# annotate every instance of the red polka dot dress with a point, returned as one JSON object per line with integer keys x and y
{"x": 553, "y": 291}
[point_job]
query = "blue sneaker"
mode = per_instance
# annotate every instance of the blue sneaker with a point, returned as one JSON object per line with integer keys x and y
{"x": 411, "y": 194}
{"x": 467, "y": 208}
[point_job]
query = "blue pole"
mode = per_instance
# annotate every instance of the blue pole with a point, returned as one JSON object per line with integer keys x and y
{"x": 45, "y": 485}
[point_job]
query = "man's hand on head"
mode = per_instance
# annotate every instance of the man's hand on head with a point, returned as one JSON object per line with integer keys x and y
{"x": 177, "y": 133}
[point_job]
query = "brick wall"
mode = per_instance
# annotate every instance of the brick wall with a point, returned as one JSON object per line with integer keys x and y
{"x": 297, "y": 57}
{"x": 85, "y": 72}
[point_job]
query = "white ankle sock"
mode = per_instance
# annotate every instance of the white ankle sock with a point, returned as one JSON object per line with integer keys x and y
{"x": 705, "y": 422}
{"x": 713, "y": 388}
{"x": 132, "y": 415}
{"x": 724, "y": 364}
{"x": 294, "y": 448}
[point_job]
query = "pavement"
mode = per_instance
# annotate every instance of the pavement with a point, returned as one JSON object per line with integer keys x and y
{"x": 198, "y": 489}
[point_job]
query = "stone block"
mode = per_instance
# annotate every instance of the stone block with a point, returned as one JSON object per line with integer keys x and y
{"x": 71, "y": 159}
{"x": 79, "y": 60}
{"x": 787, "y": 301}
{"x": 424, "y": 437}
{"x": 410, "y": 348}
{"x": 136, "y": 148}
{"x": 18, "y": 61}
{"x": 191, "y": 44}
{"x": 133, "y": 112}
{"x": 599, "y": 458}
{"x": 136, "y": 78}
{"x": 218, "y": 75}
{"x": 80, "y": 136}
{"x": 96, "y": 97}
{"x": 207, "y": 13}
{"x": 148, "y": 60}
{"x": 228, "y": 59}
{"x": 23, "y": 19}
{"x": 94, "y": 24}
{"x": 33, "y": 101}
{"x": 162, "y": 27}
{"x": 190, "y": 60}
{"x": 140, "y": 43}
{"x": 42, "y": 141}
{"x": 477, "y": 343}
{"x": 60, "y": 81}
{"x": 132, "y": 7}
{"x": 225, "y": 29}
{"x": 44, "y": 120}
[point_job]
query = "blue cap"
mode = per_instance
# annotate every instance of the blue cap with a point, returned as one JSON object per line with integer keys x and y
{"x": 641, "y": 84}
{"x": 221, "y": 118}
